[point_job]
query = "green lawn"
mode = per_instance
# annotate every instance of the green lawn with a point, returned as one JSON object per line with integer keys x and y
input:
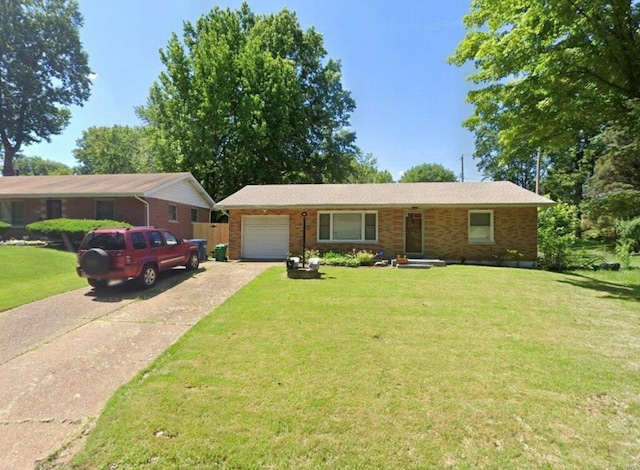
{"x": 33, "y": 273}
{"x": 459, "y": 367}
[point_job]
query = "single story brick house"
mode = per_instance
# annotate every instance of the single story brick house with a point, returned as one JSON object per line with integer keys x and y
{"x": 455, "y": 222}
{"x": 169, "y": 200}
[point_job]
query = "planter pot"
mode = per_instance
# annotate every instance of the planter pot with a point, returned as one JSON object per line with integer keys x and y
{"x": 402, "y": 260}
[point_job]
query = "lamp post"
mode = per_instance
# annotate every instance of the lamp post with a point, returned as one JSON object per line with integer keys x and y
{"x": 304, "y": 236}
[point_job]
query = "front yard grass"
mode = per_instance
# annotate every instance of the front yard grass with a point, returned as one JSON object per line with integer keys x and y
{"x": 462, "y": 367}
{"x": 30, "y": 273}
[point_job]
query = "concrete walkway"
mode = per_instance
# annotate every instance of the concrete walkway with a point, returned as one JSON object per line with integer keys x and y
{"x": 61, "y": 358}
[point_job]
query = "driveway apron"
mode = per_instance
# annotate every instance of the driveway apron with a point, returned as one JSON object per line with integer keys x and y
{"x": 61, "y": 358}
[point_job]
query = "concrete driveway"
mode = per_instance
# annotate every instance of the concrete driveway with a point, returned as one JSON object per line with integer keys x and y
{"x": 61, "y": 358}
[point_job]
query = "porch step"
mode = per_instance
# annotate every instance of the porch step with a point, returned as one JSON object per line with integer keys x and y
{"x": 421, "y": 263}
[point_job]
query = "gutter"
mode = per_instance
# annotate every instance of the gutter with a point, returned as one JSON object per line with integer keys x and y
{"x": 147, "y": 208}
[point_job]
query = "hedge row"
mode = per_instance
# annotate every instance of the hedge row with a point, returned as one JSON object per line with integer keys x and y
{"x": 74, "y": 228}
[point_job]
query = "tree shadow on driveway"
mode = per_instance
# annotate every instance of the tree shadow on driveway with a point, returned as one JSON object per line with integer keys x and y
{"x": 118, "y": 291}
{"x": 611, "y": 290}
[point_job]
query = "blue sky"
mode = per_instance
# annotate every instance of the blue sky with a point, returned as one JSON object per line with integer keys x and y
{"x": 410, "y": 103}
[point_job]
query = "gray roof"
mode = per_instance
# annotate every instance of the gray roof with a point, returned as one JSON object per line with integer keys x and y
{"x": 496, "y": 193}
{"x": 120, "y": 185}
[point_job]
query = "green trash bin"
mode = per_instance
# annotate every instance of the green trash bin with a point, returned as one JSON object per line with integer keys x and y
{"x": 220, "y": 252}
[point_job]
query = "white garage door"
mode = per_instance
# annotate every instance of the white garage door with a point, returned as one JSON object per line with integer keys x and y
{"x": 265, "y": 236}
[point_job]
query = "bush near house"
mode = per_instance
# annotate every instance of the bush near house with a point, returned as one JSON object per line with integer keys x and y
{"x": 71, "y": 230}
{"x": 350, "y": 259}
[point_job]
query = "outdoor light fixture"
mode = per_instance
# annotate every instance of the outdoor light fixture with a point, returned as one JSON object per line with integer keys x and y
{"x": 304, "y": 236}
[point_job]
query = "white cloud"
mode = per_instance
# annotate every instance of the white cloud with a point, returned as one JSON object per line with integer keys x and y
{"x": 93, "y": 77}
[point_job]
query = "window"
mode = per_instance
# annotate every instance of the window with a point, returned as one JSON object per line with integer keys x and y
{"x": 480, "y": 226}
{"x": 170, "y": 238}
{"x": 347, "y": 226}
{"x": 105, "y": 210}
{"x": 105, "y": 241}
{"x": 139, "y": 243}
{"x": 155, "y": 238}
{"x": 54, "y": 209}
{"x": 194, "y": 215}
{"x": 173, "y": 213}
{"x": 12, "y": 213}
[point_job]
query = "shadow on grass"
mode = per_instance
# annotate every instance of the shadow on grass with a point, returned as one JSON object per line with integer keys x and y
{"x": 612, "y": 289}
{"x": 129, "y": 290}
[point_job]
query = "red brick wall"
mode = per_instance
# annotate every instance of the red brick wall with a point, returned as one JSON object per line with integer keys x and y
{"x": 514, "y": 229}
{"x": 129, "y": 210}
{"x": 182, "y": 228}
{"x": 445, "y": 233}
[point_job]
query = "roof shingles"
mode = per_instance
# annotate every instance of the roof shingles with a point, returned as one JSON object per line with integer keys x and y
{"x": 85, "y": 185}
{"x": 382, "y": 195}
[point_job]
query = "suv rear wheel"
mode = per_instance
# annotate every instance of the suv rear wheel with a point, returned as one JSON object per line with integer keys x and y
{"x": 98, "y": 283}
{"x": 194, "y": 261}
{"x": 148, "y": 276}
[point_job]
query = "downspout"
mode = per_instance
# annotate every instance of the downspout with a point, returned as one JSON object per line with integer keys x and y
{"x": 147, "y": 208}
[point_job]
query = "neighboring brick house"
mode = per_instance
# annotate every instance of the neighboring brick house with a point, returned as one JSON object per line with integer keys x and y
{"x": 169, "y": 200}
{"x": 456, "y": 222}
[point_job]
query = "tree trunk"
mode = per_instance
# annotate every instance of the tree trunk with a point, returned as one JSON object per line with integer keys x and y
{"x": 9, "y": 153}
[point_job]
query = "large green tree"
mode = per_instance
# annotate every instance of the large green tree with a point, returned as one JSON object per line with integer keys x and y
{"x": 33, "y": 165}
{"x": 428, "y": 173}
{"x": 614, "y": 188}
{"x": 116, "y": 149}
{"x": 250, "y": 99}
{"x": 364, "y": 169}
{"x": 43, "y": 70}
{"x": 550, "y": 75}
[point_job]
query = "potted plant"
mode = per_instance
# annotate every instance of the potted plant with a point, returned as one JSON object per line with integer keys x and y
{"x": 402, "y": 259}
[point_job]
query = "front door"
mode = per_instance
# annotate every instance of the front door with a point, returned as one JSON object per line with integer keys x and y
{"x": 413, "y": 232}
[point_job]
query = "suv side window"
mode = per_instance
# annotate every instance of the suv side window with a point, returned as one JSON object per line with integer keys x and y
{"x": 171, "y": 239}
{"x": 155, "y": 238}
{"x": 105, "y": 241}
{"x": 139, "y": 243}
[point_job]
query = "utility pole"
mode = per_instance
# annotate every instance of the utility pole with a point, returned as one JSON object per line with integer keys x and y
{"x": 462, "y": 168}
{"x": 538, "y": 158}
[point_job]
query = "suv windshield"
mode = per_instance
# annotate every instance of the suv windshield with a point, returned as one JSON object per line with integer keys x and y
{"x": 105, "y": 241}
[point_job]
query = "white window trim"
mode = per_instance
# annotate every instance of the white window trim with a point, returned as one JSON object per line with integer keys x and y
{"x": 363, "y": 228}
{"x": 169, "y": 214}
{"x": 476, "y": 241}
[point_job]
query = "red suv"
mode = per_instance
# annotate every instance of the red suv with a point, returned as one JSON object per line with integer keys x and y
{"x": 132, "y": 253}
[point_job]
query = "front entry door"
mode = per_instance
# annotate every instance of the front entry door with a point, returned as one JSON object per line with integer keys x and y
{"x": 413, "y": 232}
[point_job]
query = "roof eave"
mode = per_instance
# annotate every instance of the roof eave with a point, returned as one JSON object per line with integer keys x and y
{"x": 226, "y": 207}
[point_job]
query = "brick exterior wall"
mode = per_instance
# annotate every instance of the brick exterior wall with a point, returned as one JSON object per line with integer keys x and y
{"x": 129, "y": 210}
{"x": 445, "y": 232}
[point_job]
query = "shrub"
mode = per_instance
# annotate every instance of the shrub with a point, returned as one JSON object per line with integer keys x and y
{"x": 74, "y": 229}
{"x": 556, "y": 236}
{"x": 628, "y": 232}
{"x": 365, "y": 258}
{"x": 332, "y": 258}
{"x": 623, "y": 250}
{"x": 4, "y": 226}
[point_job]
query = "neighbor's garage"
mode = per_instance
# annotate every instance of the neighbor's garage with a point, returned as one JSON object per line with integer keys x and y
{"x": 265, "y": 236}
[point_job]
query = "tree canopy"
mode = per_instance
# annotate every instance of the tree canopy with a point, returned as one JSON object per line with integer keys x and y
{"x": 33, "y": 165}
{"x": 116, "y": 149}
{"x": 551, "y": 70}
{"x": 550, "y": 76}
{"x": 364, "y": 169}
{"x": 250, "y": 99}
{"x": 428, "y": 173}
{"x": 43, "y": 70}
